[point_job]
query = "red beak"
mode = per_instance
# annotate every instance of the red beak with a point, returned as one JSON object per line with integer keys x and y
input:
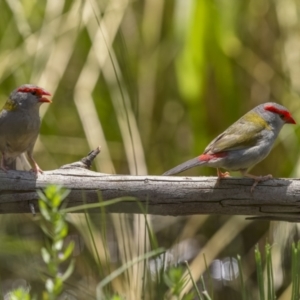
{"x": 45, "y": 100}
{"x": 290, "y": 120}
{"x": 42, "y": 92}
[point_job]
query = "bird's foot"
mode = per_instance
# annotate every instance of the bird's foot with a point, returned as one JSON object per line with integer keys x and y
{"x": 257, "y": 179}
{"x": 37, "y": 170}
{"x": 222, "y": 175}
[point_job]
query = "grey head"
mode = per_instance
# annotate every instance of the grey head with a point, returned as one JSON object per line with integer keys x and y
{"x": 274, "y": 114}
{"x": 27, "y": 97}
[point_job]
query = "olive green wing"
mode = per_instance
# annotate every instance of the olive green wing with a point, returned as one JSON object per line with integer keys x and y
{"x": 242, "y": 134}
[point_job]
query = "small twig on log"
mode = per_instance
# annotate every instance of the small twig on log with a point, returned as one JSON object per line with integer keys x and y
{"x": 85, "y": 162}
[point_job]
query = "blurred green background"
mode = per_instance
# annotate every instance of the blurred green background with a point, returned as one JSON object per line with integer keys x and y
{"x": 152, "y": 82}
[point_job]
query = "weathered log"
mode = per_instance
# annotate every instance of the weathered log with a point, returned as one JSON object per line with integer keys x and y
{"x": 272, "y": 199}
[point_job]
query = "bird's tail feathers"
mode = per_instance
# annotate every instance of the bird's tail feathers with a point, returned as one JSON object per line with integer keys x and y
{"x": 185, "y": 166}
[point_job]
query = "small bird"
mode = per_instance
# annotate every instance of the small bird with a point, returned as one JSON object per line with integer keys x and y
{"x": 242, "y": 145}
{"x": 20, "y": 125}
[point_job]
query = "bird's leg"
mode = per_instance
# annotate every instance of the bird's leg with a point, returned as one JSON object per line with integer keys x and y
{"x": 221, "y": 175}
{"x": 36, "y": 169}
{"x": 2, "y": 164}
{"x": 257, "y": 179}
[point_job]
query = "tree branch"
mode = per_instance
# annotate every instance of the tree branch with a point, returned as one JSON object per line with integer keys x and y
{"x": 273, "y": 199}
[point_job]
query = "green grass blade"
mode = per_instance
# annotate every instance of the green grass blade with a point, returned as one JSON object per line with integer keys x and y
{"x": 123, "y": 268}
{"x": 193, "y": 281}
{"x": 210, "y": 279}
{"x": 260, "y": 279}
{"x": 242, "y": 282}
{"x": 206, "y": 295}
{"x": 270, "y": 275}
{"x": 95, "y": 205}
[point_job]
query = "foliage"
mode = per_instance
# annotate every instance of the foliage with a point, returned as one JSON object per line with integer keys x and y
{"x": 55, "y": 227}
{"x": 20, "y": 294}
{"x": 174, "y": 280}
{"x": 295, "y": 271}
{"x": 152, "y": 82}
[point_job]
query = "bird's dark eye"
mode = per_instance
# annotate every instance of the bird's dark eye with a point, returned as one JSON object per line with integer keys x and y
{"x": 33, "y": 92}
{"x": 281, "y": 116}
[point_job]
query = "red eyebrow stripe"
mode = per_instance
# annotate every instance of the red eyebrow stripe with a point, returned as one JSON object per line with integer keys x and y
{"x": 38, "y": 90}
{"x": 24, "y": 90}
{"x": 275, "y": 110}
{"x": 284, "y": 114}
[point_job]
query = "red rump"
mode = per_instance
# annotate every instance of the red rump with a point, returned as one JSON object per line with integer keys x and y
{"x": 207, "y": 157}
{"x": 284, "y": 114}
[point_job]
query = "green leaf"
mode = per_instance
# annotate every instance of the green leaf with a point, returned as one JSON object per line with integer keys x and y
{"x": 64, "y": 193}
{"x": 49, "y": 285}
{"x": 45, "y": 255}
{"x": 56, "y": 201}
{"x": 69, "y": 271}
{"x": 58, "y": 245}
{"x": 42, "y": 196}
{"x": 115, "y": 297}
{"x": 61, "y": 229}
{"x": 46, "y": 231}
{"x": 173, "y": 278}
{"x": 20, "y": 293}
{"x": 68, "y": 251}
{"x": 58, "y": 285}
{"x": 55, "y": 195}
{"x": 44, "y": 210}
{"x": 53, "y": 267}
